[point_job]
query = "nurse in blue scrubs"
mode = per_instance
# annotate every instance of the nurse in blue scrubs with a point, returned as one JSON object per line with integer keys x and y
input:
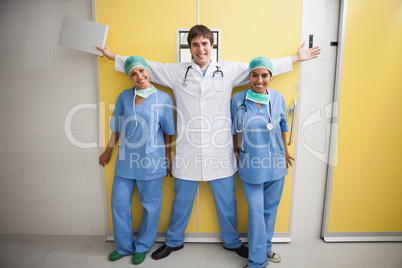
{"x": 143, "y": 120}
{"x": 259, "y": 136}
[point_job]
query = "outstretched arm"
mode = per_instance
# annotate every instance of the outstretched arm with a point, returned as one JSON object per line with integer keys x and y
{"x": 106, "y": 52}
{"x": 305, "y": 54}
{"x": 163, "y": 74}
{"x": 280, "y": 65}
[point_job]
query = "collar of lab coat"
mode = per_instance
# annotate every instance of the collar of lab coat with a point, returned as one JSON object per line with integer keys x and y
{"x": 211, "y": 66}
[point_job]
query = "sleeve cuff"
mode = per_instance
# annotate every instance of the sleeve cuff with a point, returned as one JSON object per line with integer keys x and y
{"x": 282, "y": 65}
{"x": 284, "y": 128}
{"x": 119, "y": 63}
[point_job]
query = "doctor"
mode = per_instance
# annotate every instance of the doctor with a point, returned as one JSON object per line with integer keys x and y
{"x": 143, "y": 119}
{"x": 202, "y": 89}
{"x": 259, "y": 116}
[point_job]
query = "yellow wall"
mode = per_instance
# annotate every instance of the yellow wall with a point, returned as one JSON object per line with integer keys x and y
{"x": 366, "y": 190}
{"x": 248, "y": 28}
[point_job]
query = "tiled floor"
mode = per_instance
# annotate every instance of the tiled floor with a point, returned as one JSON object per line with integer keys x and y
{"x": 91, "y": 251}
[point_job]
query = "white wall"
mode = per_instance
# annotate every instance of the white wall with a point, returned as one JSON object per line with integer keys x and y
{"x": 47, "y": 186}
{"x": 320, "y": 18}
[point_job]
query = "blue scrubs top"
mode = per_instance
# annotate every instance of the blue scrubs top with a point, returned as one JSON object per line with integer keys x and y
{"x": 142, "y": 145}
{"x": 262, "y": 156}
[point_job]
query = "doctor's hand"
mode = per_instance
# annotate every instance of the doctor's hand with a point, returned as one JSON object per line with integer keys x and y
{"x": 104, "y": 158}
{"x": 106, "y": 52}
{"x": 306, "y": 54}
{"x": 289, "y": 159}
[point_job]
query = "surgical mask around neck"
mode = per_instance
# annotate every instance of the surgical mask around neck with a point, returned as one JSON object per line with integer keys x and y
{"x": 257, "y": 97}
{"x": 145, "y": 93}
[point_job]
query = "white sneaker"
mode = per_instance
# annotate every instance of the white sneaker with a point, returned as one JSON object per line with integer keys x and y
{"x": 273, "y": 257}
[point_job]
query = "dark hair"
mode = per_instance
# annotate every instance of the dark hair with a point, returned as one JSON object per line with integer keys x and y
{"x": 200, "y": 30}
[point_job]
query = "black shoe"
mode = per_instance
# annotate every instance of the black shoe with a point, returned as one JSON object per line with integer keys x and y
{"x": 242, "y": 251}
{"x": 164, "y": 251}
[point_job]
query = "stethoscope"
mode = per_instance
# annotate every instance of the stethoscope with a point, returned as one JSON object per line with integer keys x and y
{"x": 240, "y": 127}
{"x": 270, "y": 126}
{"x": 135, "y": 113}
{"x": 185, "y": 76}
{"x": 217, "y": 71}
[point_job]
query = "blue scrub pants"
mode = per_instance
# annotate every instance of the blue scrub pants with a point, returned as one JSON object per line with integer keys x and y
{"x": 225, "y": 202}
{"x": 150, "y": 192}
{"x": 263, "y": 200}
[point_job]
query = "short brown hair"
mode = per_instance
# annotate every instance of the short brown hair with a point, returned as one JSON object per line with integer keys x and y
{"x": 200, "y": 30}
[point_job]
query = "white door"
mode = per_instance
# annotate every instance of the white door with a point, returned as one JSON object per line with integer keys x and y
{"x": 316, "y": 91}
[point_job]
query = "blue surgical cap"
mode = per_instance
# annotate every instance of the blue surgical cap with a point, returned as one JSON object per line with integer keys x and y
{"x": 260, "y": 62}
{"x": 132, "y": 62}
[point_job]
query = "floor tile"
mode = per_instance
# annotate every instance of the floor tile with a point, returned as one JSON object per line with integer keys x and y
{"x": 46, "y": 251}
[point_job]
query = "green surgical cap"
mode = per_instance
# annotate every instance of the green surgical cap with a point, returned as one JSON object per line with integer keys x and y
{"x": 260, "y": 62}
{"x": 132, "y": 62}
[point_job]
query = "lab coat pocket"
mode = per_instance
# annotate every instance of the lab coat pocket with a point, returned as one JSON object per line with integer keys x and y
{"x": 217, "y": 83}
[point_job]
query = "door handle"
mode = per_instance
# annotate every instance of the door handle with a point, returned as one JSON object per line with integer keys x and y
{"x": 310, "y": 41}
{"x": 292, "y": 111}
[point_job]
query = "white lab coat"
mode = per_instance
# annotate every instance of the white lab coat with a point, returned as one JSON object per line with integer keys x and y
{"x": 204, "y": 145}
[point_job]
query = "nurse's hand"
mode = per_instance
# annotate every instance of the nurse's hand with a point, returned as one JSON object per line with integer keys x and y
{"x": 169, "y": 167}
{"x": 104, "y": 158}
{"x": 106, "y": 52}
{"x": 306, "y": 54}
{"x": 289, "y": 160}
{"x": 237, "y": 157}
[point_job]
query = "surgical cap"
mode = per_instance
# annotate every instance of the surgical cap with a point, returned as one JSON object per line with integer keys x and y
{"x": 132, "y": 62}
{"x": 260, "y": 62}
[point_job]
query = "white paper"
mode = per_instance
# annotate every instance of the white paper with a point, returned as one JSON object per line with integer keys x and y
{"x": 82, "y": 35}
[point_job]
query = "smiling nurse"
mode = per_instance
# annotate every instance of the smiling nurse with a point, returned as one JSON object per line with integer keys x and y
{"x": 145, "y": 137}
{"x": 259, "y": 116}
